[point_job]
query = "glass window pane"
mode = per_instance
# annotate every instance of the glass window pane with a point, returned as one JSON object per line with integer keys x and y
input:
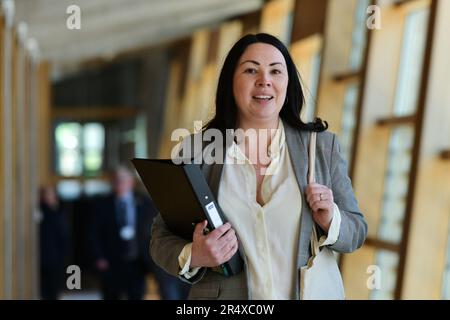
{"x": 408, "y": 83}
{"x": 96, "y": 187}
{"x": 396, "y": 184}
{"x": 94, "y": 136}
{"x": 69, "y": 189}
{"x": 79, "y": 148}
{"x": 287, "y": 28}
{"x": 387, "y": 261}
{"x": 311, "y": 92}
{"x": 94, "y": 142}
{"x": 358, "y": 35}
{"x": 68, "y": 149}
{"x": 140, "y": 147}
{"x": 348, "y": 120}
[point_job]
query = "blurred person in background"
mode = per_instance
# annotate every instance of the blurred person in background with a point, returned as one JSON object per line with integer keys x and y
{"x": 53, "y": 231}
{"x": 120, "y": 241}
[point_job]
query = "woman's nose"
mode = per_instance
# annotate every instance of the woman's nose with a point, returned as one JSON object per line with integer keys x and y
{"x": 263, "y": 81}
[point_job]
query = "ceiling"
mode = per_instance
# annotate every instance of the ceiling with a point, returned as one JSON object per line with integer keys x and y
{"x": 111, "y": 27}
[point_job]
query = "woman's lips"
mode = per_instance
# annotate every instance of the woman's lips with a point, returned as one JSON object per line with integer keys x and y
{"x": 262, "y": 99}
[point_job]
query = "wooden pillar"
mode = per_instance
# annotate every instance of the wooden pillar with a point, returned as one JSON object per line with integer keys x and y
{"x": 32, "y": 244}
{"x": 15, "y": 167}
{"x": 43, "y": 123}
{"x": 307, "y": 49}
{"x": 335, "y": 60}
{"x": 21, "y": 171}
{"x": 309, "y": 19}
{"x": 7, "y": 158}
{"x": 175, "y": 91}
{"x": 2, "y": 155}
{"x": 41, "y": 148}
{"x": 197, "y": 61}
{"x": 276, "y": 19}
{"x": 251, "y": 22}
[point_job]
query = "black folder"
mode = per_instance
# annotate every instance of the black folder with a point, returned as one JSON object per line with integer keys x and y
{"x": 183, "y": 197}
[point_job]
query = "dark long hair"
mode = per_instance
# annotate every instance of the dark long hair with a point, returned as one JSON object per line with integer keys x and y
{"x": 226, "y": 109}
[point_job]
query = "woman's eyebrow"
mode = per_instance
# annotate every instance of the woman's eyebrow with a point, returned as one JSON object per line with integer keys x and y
{"x": 257, "y": 63}
{"x": 251, "y": 61}
{"x": 275, "y": 63}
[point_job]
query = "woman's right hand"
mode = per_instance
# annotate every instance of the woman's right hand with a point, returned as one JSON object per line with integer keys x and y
{"x": 214, "y": 248}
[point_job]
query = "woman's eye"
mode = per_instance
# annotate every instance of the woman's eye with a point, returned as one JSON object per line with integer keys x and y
{"x": 276, "y": 71}
{"x": 250, "y": 70}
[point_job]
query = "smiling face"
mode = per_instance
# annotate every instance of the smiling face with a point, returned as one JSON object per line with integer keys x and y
{"x": 259, "y": 85}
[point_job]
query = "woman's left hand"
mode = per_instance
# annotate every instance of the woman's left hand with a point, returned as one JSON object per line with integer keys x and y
{"x": 320, "y": 200}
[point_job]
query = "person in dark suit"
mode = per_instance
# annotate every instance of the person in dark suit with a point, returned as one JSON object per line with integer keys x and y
{"x": 121, "y": 237}
{"x": 53, "y": 244}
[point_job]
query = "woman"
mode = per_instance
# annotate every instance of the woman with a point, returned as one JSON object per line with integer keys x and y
{"x": 263, "y": 190}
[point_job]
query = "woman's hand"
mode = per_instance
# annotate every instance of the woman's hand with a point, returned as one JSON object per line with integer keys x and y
{"x": 214, "y": 248}
{"x": 320, "y": 200}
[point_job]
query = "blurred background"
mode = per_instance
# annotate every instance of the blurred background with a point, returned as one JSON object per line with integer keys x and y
{"x": 77, "y": 102}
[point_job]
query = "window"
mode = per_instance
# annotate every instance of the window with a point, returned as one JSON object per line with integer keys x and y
{"x": 396, "y": 184}
{"x": 355, "y": 64}
{"x": 359, "y": 38}
{"x": 94, "y": 142}
{"x": 387, "y": 261}
{"x": 348, "y": 120}
{"x": 415, "y": 32}
{"x": 140, "y": 140}
{"x": 69, "y": 189}
{"x": 68, "y": 149}
{"x": 79, "y": 149}
{"x": 311, "y": 94}
{"x": 307, "y": 56}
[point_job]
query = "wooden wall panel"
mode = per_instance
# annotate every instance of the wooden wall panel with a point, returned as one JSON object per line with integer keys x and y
{"x": 170, "y": 112}
{"x": 7, "y": 158}
{"x": 303, "y": 53}
{"x": 27, "y": 182}
{"x": 43, "y": 123}
{"x": 14, "y": 167}
{"x": 197, "y": 61}
{"x": 2, "y": 155}
{"x": 275, "y": 19}
{"x": 337, "y": 46}
{"x": 355, "y": 274}
{"x": 309, "y": 18}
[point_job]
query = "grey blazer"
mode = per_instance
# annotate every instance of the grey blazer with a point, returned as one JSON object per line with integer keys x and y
{"x": 331, "y": 170}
